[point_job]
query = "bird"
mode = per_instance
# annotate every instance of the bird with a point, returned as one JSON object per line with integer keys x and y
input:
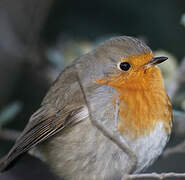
{"x": 119, "y": 85}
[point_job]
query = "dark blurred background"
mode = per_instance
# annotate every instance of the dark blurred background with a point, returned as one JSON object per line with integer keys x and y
{"x": 39, "y": 38}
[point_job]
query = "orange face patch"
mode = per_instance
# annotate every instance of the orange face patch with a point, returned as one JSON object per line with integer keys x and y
{"x": 142, "y": 98}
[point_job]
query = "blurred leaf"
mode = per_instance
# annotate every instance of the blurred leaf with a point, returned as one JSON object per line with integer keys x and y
{"x": 9, "y": 112}
{"x": 55, "y": 58}
{"x": 183, "y": 19}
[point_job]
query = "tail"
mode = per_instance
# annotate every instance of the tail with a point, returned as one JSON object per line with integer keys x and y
{"x": 8, "y": 162}
{"x": 3, "y": 164}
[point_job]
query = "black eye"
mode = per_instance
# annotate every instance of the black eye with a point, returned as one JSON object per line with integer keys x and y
{"x": 125, "y": 66}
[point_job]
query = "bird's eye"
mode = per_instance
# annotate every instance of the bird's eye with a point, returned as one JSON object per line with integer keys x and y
{"x": 125, "y": 66}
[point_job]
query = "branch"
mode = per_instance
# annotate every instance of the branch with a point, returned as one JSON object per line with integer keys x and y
{"x": 7, "y": 134}
{"x": 156, "y": 175}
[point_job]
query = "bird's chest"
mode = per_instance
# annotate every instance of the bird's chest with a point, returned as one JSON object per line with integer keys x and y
{"x": 145, "y": 124}
{"x": 148, "y": 148}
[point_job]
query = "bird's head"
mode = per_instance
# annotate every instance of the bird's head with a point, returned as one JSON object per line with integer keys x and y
{"x": 129, "y": 63}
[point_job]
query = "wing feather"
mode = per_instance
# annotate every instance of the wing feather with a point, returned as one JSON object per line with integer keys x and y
{"x": 40, "y": 128}
{"x": 63, "y": 105}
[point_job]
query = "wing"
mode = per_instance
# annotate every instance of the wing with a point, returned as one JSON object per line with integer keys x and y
{"x": 63, "y": 105}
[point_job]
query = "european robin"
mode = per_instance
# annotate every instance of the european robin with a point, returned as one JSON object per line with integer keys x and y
{"x": 125, "y": 91}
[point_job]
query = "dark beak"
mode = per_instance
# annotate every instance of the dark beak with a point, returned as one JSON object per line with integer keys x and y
{"x": 156, "y": 60}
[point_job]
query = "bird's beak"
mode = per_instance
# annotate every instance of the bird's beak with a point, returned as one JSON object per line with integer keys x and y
{"x": 155, "y": 61}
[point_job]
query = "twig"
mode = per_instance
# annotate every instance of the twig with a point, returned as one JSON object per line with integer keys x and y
{"x": 156, "y": 175}
{"x": 8, "y": 134}
{"x": 177, "y": 80}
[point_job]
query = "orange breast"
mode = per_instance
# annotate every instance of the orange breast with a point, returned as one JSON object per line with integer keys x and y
{"x": 142, "y": 103}
{"x": 141, "y": 110}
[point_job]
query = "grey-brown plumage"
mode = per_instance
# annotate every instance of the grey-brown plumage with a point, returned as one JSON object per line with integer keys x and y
{"x": 55, "y": 113}
{"x": 62, "y": 131}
